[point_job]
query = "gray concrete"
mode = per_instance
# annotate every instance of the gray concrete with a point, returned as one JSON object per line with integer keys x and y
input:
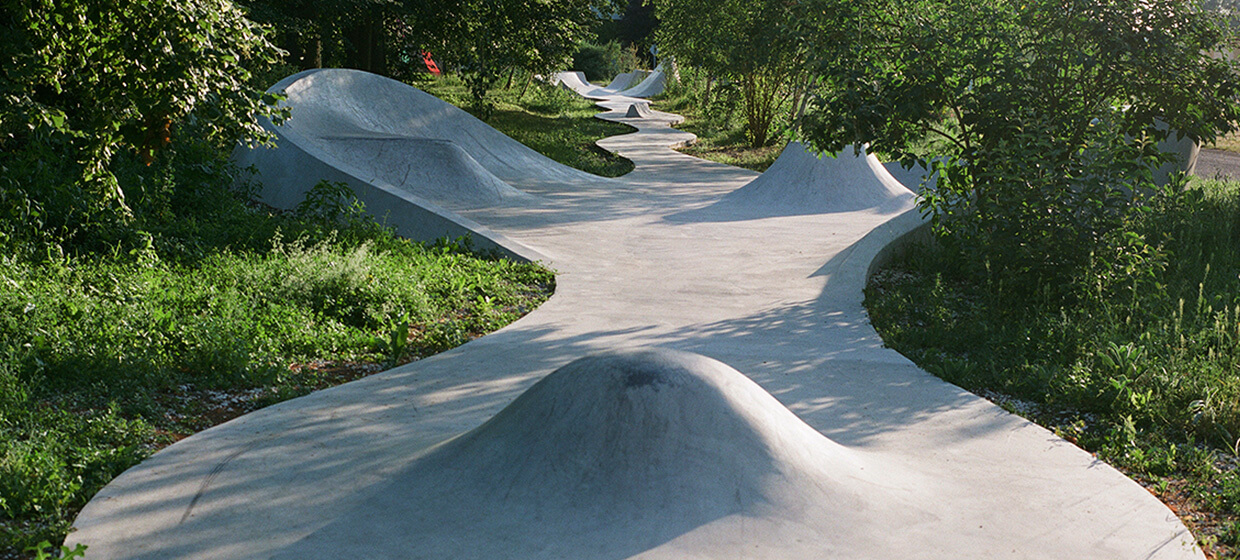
{"x": 409, "y": 463}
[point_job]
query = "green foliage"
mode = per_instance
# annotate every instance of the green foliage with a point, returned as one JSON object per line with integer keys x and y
{"x": 481, "y": 39}
{"x": 40, "y": 551}
{"x": 744, "y": 41}
{"x": 602, "y": 62}
{"x": 89, "y": 88}
{"x": 717, "y": 121}
{"x": 554, "y": 122}
{"x": 1149, "y": 378}
{"x": 1049, "y": 108}
{"x": 102, "y": 354}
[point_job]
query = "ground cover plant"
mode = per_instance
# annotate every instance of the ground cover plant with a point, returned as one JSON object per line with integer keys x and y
{"x": 554, "y": 122}
{"x": 1147, "y": 378}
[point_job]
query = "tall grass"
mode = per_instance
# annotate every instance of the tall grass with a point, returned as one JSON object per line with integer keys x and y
{"x": 105, "y": 357}
{"x": 1147, "y": 376}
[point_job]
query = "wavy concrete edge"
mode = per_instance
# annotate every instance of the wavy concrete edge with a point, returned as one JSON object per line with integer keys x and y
{"x": 295, "y": 165}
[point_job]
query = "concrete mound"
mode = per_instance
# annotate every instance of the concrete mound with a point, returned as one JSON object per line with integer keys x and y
{"x": 625, "y": 80}
{"x": 639, "y": 111}
{"x": 805, "y": 183}
{"x": 438, "y": 170}
{"x": 572, "y": 81}
{"x": 916, "y": 178}
{"x": 656, "y": 453}
{"x": 651, "y": 86}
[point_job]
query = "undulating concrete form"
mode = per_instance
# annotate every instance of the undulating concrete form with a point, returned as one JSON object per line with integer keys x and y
{"x": 639, "y": 110}
{"x": 638, "y": 84}
{"x": 804, "y": 182}
{"x": 664, "y": 443}
{"x": 650, "y": 86}
{"x": 626, "y": 80}
{"x": 645, "y": 454}
{"x": 915, "y": 178}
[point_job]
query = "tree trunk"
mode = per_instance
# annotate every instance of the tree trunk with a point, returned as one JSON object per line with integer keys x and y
{"x": 511, "y": 72}
{"x": 527, "y": 86}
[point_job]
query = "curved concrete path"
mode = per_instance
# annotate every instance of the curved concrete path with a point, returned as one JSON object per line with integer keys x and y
{"x": 657, "y": 258}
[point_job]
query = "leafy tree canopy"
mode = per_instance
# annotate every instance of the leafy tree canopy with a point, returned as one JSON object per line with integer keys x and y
{"x": 1045, "y": 110}
{"x": 85, "y": 84}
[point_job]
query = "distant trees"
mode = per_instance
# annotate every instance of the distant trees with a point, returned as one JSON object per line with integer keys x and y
{"x": 484, "y": 38}
{"x": 749, "y": 41}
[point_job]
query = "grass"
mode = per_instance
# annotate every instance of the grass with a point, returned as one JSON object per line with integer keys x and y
{"x": 1148, "y": 379}
{"x": 107, "y": 357}
{"x": 556, "y": 123}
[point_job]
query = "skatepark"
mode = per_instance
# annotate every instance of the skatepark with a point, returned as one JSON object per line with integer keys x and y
{"x": 703, "y": 384}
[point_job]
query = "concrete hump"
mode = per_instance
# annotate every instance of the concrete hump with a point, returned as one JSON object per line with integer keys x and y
{"x": 650, "y": 453}
{"x": 651, "y": 86}
{"x": 438, "y": 170}
{"x": 803, "y": 182}
{"x": 916, "y": 178}
{"x": 622, "y": 81}
{"x": 639, "y": 110}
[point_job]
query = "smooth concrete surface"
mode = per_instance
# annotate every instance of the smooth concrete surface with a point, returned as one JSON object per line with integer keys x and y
{"x": 639, "y": 110}
{"x": 420, "y": 462}
{"x": 650, "y": 86}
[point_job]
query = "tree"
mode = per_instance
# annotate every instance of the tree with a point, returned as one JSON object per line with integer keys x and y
{"x": 483, "y": 38}
{"x": 85, "y": 84}
{"x": 342, "y": 33}
{"x": 1046, "y": 111}
{"x": 746, "y": 40}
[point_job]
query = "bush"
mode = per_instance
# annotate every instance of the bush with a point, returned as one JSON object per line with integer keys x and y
{"x": 1050, "y": 110}
{"x": 90, "y": 88}
{"x": 600, "y": 63}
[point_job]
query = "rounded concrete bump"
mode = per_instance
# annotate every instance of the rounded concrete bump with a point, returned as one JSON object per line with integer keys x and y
{"x": 639, "y": 110}
{"x": 653, "y": 453}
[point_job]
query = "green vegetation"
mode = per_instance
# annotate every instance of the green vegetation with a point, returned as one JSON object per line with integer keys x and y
{"x": 106, "y": 357}
{"x": 143, "y": 295}
{"x": 1148, "y": 378}
{"x": 602, "y": 62}
{"x": 554, "y": 122}
{"x": 1055, "y": 112}
{"x": 755, "y": 46}
{"x": 714, "y": 115}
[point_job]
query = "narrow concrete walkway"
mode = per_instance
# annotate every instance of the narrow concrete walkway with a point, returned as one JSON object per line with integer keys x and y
{"x": 655, "y": 258}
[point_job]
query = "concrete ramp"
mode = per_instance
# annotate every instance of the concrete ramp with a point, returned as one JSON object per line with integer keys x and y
{"x": 651, "y": 86}
{"x": 657, "y": 453}
{"x": 573, "y": 81}
{"x": 625, "y": 80}
{"x": 639, "y": 111}
{"x": 802, "y": 183}
{"x": 916, "y": 178}
{"x": 438, "y": 170}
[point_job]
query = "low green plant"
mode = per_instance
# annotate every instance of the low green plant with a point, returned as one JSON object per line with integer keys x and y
{"x": 1147, "y": 376}
{"x": 65, "y": 553}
